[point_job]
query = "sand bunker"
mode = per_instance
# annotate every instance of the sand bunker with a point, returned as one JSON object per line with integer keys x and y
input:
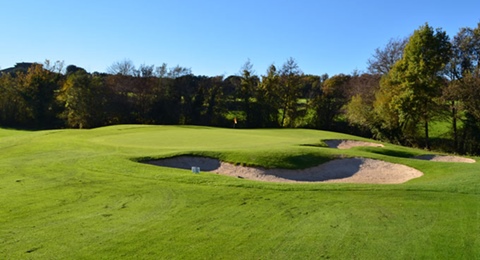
{"x": 347, "y": 144}
{"x": 352, "y": 170}
{"x": 444, "y": 158}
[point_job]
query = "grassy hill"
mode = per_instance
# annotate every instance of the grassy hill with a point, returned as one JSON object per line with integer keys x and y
{"x": 82, "y": 194}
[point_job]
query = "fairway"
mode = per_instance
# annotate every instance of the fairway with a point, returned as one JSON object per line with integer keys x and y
{"x": 85, "y": 194}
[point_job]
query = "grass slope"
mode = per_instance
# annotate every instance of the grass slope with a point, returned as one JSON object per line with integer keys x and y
{"x": 79, "y": 194}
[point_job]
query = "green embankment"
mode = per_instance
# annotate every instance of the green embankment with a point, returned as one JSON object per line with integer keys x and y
{"x": 80, "y": 194}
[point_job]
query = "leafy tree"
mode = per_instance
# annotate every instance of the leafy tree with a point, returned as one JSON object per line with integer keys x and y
{"x": 470, "y": 92}
{"x": 119, "y": 105}
{"x": 248, "y": 87}
{"x": 312, "y": 84}
{"x": 72, "y": 69}
{"x": 289, "y": 91}
{"x": 83, "y": 99}
{"x": 14, "y": 109}
{"x": 28, "y": 95}
{"x": 331, "y": 99}
{"x": 143, "y": 94}
{"x": 188, "y": 89}
{"x": 386, "y": 115}
{"x": 215, "y": 102}
{"x": 361, "y": 96}
{"x": 268, "y": 99}
{"x": 38, "y": 88}
{"x": 166, "y": 102}
{"x": 232, "y": 85}
{"x": 463, "y": 86}
{"x": 414, "y": 83}
{"x": 311, "y": 88}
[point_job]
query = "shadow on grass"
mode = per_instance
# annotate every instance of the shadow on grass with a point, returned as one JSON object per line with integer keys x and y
{"x": 304, "y": 160}
{"x": 267, "y": 160}
{"x": 187, "y": 162}
{"x": 321, "y": 145}
{"x": 390, "y": 152}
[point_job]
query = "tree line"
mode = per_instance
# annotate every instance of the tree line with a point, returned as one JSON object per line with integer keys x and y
{"x": 410, "y": 84}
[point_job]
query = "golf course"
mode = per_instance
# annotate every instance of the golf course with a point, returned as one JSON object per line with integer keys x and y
{"x": 103, "y": 194}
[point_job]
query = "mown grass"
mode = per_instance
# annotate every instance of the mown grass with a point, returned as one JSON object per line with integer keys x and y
{"x": 81, "y": 194}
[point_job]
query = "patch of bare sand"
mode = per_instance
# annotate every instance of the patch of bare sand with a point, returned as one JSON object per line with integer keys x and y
{"x": 444, "y": 158}
{"x": 352, "y": 170}
{"x": 347, "y": 144}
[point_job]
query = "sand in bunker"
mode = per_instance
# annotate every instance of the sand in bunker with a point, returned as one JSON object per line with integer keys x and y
{"x": 444, "y": 158}
{"x": 347, "y": 144}
{"x": 351, "y": 170}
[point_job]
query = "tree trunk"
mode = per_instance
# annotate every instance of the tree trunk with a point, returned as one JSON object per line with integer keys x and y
{"x": 427, "y": 141}
{"x": 282, "y": 124}
{"x": 455, "y": 133}
{"x": 247, "y": 111}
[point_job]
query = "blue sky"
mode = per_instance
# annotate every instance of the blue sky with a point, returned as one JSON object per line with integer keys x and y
{"x": 215, "y": 37}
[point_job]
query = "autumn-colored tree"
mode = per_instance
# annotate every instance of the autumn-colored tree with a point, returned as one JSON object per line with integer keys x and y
{"x": 38, "y": 88}
{"x": 83, "y": 100}
{"x": 361, "y": 96}
{"x": 14, "y": 110}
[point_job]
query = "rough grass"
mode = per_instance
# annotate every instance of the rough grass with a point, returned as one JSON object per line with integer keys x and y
{"x": 80, "y": 194}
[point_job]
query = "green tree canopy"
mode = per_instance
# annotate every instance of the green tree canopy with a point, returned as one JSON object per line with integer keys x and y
{"x": 411, "y": 87}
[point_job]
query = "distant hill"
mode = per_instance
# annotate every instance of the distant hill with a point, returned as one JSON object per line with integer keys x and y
{"x": 21, "y": 66}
